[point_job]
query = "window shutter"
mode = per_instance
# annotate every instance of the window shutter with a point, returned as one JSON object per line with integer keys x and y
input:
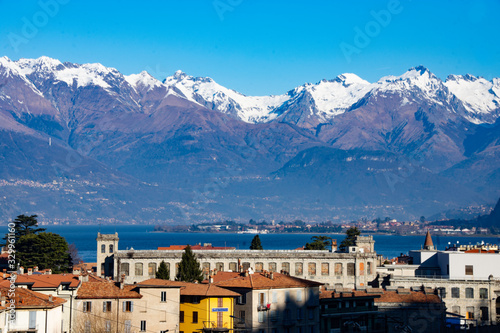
{"x": 131, "y": 306}
{"x": 32, "y": 323}
{"x": 124, "y": 306}
{"x": 104, "y": 306}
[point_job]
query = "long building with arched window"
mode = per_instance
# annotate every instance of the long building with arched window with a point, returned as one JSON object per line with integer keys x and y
{"x": 357, "y": 268}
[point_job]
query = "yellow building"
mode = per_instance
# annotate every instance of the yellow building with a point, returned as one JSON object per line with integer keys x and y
{"x": 204, "y": 307}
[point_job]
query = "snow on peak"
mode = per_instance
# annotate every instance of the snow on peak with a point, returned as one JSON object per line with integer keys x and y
{"x": 43, "y": 64}
{"x": 350, "y": 78}
{"x": 478, "y": 94}
{"x": 143, "y": 79}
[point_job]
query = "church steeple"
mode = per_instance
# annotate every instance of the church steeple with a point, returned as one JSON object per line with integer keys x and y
{"x": 428, "y": 245}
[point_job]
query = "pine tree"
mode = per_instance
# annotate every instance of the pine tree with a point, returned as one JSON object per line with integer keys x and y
{"x": 318, "y": 243}
{"x": 189, "y": 267}
{"x": 163, "y": 272}
{"x": 350, "y": 239}
{"x": 25, "y": 225}
{"x": 256, "y": 244}
{"x": 45, "y": 250}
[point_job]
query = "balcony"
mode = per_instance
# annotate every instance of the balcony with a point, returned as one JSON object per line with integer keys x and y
{"x": 211, "y": 326}
{"x": 263, "y": 307}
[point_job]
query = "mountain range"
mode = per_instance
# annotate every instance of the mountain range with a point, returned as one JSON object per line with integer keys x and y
{"x": 85, "y": 142}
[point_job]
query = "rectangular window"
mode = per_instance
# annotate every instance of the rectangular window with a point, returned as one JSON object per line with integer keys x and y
{"x": 300, "y": 314}
{"x": 143, "y": 326}
{"x": 107, "y": 326}
{"x": 361, "y": 268}
{"x": 32, "y": 320}
{"x": 181, "y": 317}
{"x": 163, "y": 296}
{"x": 299, "y": 295}
{"x": 469, "y": 312}
{"x": 338, "y": 269}
{"x": 285, "y": 267}
{"x": 299, "y": 268}
{"x": 262, "y": 316}
{"x": 138, "y": 269}
{"x": 152, "y": 269}
{"x": 87, "y": 306}
{"x": 469, "y": 270}
{"x": 483, "y": 293}
{"x": 272, "y": 267}
{"x": 275, "y": 296}
{"x": 351, "y": 269}
{"x": 125, "y": 268}
{"x": 87, "y": 326}
{"x": 128, "y": 306}
{"x": 106, "y": 306}
{"x": 469, "y": 292}
{"x": 311, "y": 268}
{"x": 325, "y": 268}
{"x": 442, "y": 292}
{"x": 242, "y": 299}
{"x": 369, "y": 268}
{"x": 311, "y": 314}
{"x": 128, "y": 326}
{"x": 195, "y": 317}
{"x": 262, "y": 299}
{"x": 455, "y": 292}
{"x": 233, "y": 267}
{"x": 242, "y": 316}
{"x": 484, "y": 313}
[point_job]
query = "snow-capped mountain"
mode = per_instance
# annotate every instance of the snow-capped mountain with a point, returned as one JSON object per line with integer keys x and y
{"x": 206, "y": 92}
{"x": 307, "y": 150}
{"x": 479, "y": 96}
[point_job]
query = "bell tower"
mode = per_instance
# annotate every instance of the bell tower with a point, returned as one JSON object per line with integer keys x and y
{"x": 107, "y": 246}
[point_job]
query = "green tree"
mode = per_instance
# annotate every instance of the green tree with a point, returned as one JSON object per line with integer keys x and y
{"x": 256, "y": 244}
{"x": 163, "y": 272}
{"x": 189, "y": 267}
{"x": 45, "y": 250}
{"x": 318, "y": 243}
{"x": 350, "y": 239}
{"x": 25, "y": 225}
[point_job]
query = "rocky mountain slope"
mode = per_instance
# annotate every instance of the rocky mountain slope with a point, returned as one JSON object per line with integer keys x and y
{"x": 85, "y": 141}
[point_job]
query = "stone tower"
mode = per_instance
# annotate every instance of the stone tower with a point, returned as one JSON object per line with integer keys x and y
{"x": 107, "y": 246}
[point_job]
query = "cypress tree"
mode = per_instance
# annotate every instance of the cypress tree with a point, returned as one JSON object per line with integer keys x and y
{"x": 256, "y": 244}
{"x": 163, "y": 272}
{"x": 189, "y": 267}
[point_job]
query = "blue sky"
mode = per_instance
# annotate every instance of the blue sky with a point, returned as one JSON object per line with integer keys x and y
{"x": 259, "y": 47}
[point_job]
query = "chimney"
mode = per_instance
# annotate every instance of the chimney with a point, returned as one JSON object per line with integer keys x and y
{"x": 271, "y": 275}
{"x": 30, "y": 271}
{"x": 35, "y": 269}
{"x": 122, "y": 281}
{"x": 2, "y": 302}
{"x": 246, "y": 273}
{"x": 334, "y": 245}
{"x": 50, "y": 298}
{"x": 21, "y": 270}
{"x": 210, "y": 279}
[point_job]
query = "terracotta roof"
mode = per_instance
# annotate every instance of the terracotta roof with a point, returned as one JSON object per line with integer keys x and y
{"x": 95, "y": 288}
{"x": 196, "y": 247}
{"x": 261, "y": 281}
{"x": 28, "y": 299}
{"x": 192, "y": 289}
{"x": 385, "y": 296}
{"x": 45, "y": 280}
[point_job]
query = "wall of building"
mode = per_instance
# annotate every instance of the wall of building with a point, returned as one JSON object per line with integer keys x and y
{"x": 48, "y": 321}
{"x": 461, "y": 303}
{"x": 206, "y": 314}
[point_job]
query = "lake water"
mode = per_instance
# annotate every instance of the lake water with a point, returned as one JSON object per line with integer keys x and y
{"x": 142, "y": 238}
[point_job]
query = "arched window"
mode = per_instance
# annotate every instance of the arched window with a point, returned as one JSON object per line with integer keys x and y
{"x": 259, "y": 267}
{"x": 103, "y": 248}
{"x": 110, "y": 248}
{"x": 272, "y": 267}
{"x": 124, "y": 269}
{"x": 285, "y": 267}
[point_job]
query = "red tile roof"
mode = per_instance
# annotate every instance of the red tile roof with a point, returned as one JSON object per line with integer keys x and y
{"x": 261, "y": 281}
{"x": 192, "y": 289}
{"x": 29, "y": 299}
{"x": 96, "y": 288}
{"x": 45, "y": 280}
{"x": 385, "y": 296}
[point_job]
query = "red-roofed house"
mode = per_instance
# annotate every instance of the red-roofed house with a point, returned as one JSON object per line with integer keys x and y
{"x": 273, "y": 301}
{"x": 30, "y": 311}
{"x": 101, "y": 304}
